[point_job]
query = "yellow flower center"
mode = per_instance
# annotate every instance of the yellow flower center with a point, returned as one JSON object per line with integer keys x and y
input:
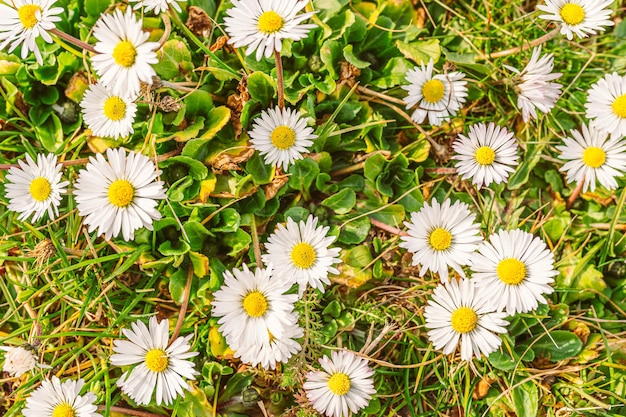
{"x": 303, "y": 255}
{"x": 432, "y": 90}
{"x": 485, "y": 155}
{"x": 339, "y": 384}
{"x": 114, "y": 108}
{"x": 270, "y": 22}
{"x": 156, "y": 360}
{"x": 594, "y": 157}
{"x": 440, "y": 239}
{"x": 64, "y": 410}
{"x": 121, "y": 193}
{"x": 619, "y": 106}
{"x": 124, "y": 54}
{"x": 283, "y": 137}
{"x": 40, "y": 189}
{"x": 572, "y": 14}
{"x": 511, "y": 271}
{"x": 255, "y": 304}
{"x": 28, "y": 15}
{"x": 464, "y": 320}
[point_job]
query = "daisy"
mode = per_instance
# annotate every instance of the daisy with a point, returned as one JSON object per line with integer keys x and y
{"x": 606, "y": 104}
{"x": 18, "y": 360}
{"x": 488, "y": 154}
{"x": 251, "y": 306}
{"x": 261, "y": 25}
{"x": 300, "y": 253}
{"x": 60, "y": 399}
{"x": 158, "y": 6}
{"x": 593, "y": 157}
{"x": 457, "y": 313}
{"x": 124, "y": 56}
{"x": 514, "y": 270}
{"x": 534, "y": 87}
{"x": 345, "y": 383}
{"x": 156, "y": 365}
{"x": 108, "y": 114}
{"x": 281, "y": 136}
{"x": 35, "y": 188}
{"x": 119, "y": 195}
{"x": 23, "y": 21}
{"x": 276, "y": 350}
{"x": 436, "y": 96}
{"x": 581, "y": 17}
{"x": 442, "y": 236}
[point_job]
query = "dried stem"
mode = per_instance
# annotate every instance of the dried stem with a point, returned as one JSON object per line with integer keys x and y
{"x": 166, "y": 31}
{"x": 572, "y": 198}
{"x": 523, "y": 47}
{"x": 279, "y": 80}
{"x": 373, "y": 93}
{"x": 183, "y": 306}
{"x": 387, "y": 228}
{"x": 73, "y": 40}
{"x": 255, "y": 243}
{"x": 129, "y": 411}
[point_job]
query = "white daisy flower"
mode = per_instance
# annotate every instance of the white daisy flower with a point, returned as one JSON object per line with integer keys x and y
{"x": 119, "y": 195}
{"x": 436, "y": 96}
{"x": 60, "y": 399}
{"x": 108, "y": 114}
{"x": 18, "y": 360}
{"x": 276, "y": 350}
{"x": 346, "y": 383}
{"x": 300, "y": 253}
{"x": 158, "y": 6}
{"x": 35, "y": 188}
{"x": 23, "y": 21}
{"x": 456, "y": 313}
{"x": 606, "y": 104}
{"x": 251, "y": 306}
{"x": 124, "y": 56}
{"x": 593, "y": 157}
{"x": 442, "y": 236}
{"x": 281, "y": 136}
{"x": 580, "y": 17}
{"x": 533, "y": 86}
{"x": 157, "y": 366}
{"x": 262, "y": 25}
{"x": 487, "y": 154}
{"x": 514, "y": 269}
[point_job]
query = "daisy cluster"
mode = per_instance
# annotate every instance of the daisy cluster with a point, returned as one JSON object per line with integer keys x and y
{"x": 114, "y": 196}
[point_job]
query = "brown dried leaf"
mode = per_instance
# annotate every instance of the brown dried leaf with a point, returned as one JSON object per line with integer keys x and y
{"x": 199, "y": 22}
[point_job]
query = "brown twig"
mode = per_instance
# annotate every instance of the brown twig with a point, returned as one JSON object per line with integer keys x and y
{"x": 166, "y": 31}
{"x": 387, "y": 228}
{"x": 523, "y": 47}
{"x": 279, "y": 80}
{"x": 572, "y": 198}
{"x": 373, "y": 93}
{"x": 183, "y": 306}
{"x": 129, "y": 411}
{"x": 255, "y": 243}
{"x": 73, "y": 40}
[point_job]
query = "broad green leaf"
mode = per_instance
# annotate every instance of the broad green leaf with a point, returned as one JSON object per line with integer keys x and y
{"x": 359, "y": 256}
{"x": 216, "y": 120}
{"x": 172, "y": 55}
{"x": 96, "y": 7}
{"x": 262, "y": 88}
{"x": 50, "y": 133}
{"x": 303, "y": 174}
{"x": 260, "y": 171}
{"x": 355, "y": 231}
{"x": 420, "y": 52}
{"x": 394, "y": 73}
{"x": 342, "y": 202}
{"x": 557, "y": 345}
{"x": 526, "y": 399}
{"x": 197, "y": 104}
{"x": 348, "y": 54}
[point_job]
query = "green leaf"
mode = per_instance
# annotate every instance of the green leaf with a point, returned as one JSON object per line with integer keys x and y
{"x": 391, "y": 215}
{"x": 197, "y": 233}
{"x": 303, "y": 174}
{"x": 172, "y": 56}
{"x": 348, "y": 54}
{"x": 262, "y": 88}
{"x": 230, "y": 220}
{"x": 342, "y": 202}
{"x": 501, "y": 361}
{"x": 526, "y": 399}
{"x": 333, "y": 309}
{"x": 190, "y": 132}
{"x": 50, "y": 133}
{"x": 557, "y": 345}
{"x": 530, "y": 160}
{"x": 420, "y": 52}
{"x": 96, "y": 7}
{"x": 355, "y": 231}
{"x": 197, "y": 170}
{"x": 216, "y": 120}
{"x": 359, "y": 256}
{"x": 177, "y": 284}
{"x": 197, "y": 103}
{"x": 394, "y": 73}
{"x": 261, "y": 172}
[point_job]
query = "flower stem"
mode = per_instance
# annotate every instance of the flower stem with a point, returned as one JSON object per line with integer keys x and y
{"x": 523, "y": 47}
{"x": 279, "y": 80}
{"x": 73, "y": 40}
{"x": 129, "y": 411}
{"x": 387, "y": 228}
{"x": 572, "y": 198}
{"x": 183, "y": 306}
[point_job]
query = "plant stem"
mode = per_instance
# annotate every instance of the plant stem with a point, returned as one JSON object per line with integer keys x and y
{"x": 572, "y": 198}
{"x": 255, "y": 243}
{"x": 279, "y": 80}
{"x": 73, "y": 40}
{"x": 373, "y": 93}
{"x": 523, "y": 47}
{"x": 387, "y": 228}
{"x": 183, "y": 306}
{"x": 129, "y": 411}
